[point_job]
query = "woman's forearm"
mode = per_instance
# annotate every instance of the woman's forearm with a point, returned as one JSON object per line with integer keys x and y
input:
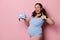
{"x": 26, "y": 22}
{"x": 49, "y": 21}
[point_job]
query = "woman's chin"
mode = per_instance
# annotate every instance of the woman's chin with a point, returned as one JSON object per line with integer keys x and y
{"x": 37, "y": 12}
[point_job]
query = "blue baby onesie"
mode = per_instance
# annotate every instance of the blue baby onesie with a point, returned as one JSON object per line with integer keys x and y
{"x": 35, "y": 26}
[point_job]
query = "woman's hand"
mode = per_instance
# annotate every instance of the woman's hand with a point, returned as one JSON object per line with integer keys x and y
{"x": 22, "y": 19}
{"x": 48, "y": 20}
{"x": 25, "y": 20}
{"x": 43, "y": 16}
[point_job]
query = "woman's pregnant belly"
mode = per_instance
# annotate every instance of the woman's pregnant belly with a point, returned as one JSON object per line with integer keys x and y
{"x": 32, "y": 30}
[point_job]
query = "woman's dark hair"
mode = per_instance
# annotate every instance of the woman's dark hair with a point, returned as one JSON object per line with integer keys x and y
{"x": 42, "y": 11}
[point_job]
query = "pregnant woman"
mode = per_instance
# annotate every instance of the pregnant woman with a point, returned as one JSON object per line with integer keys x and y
{"x": 36, "y": 21}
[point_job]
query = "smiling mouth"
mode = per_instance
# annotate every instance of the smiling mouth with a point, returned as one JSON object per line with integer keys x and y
{"x": 37, "y": 10}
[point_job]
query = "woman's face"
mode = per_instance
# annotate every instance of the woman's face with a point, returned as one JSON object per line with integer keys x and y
{"x": 37, "y": 8}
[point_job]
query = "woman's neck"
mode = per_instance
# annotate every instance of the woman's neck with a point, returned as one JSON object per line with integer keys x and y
{"x": 38, "y": 15}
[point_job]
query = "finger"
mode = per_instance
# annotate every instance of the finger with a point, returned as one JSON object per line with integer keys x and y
{"x": 42, "y": 14}
{"x": 19, "y": 19}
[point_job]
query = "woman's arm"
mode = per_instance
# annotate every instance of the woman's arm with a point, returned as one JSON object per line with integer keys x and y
{"x": 27, "y": 21}
{"x": 48, "y": 20}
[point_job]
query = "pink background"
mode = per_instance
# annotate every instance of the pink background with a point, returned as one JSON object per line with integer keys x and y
{"x": 12, "y": 29}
